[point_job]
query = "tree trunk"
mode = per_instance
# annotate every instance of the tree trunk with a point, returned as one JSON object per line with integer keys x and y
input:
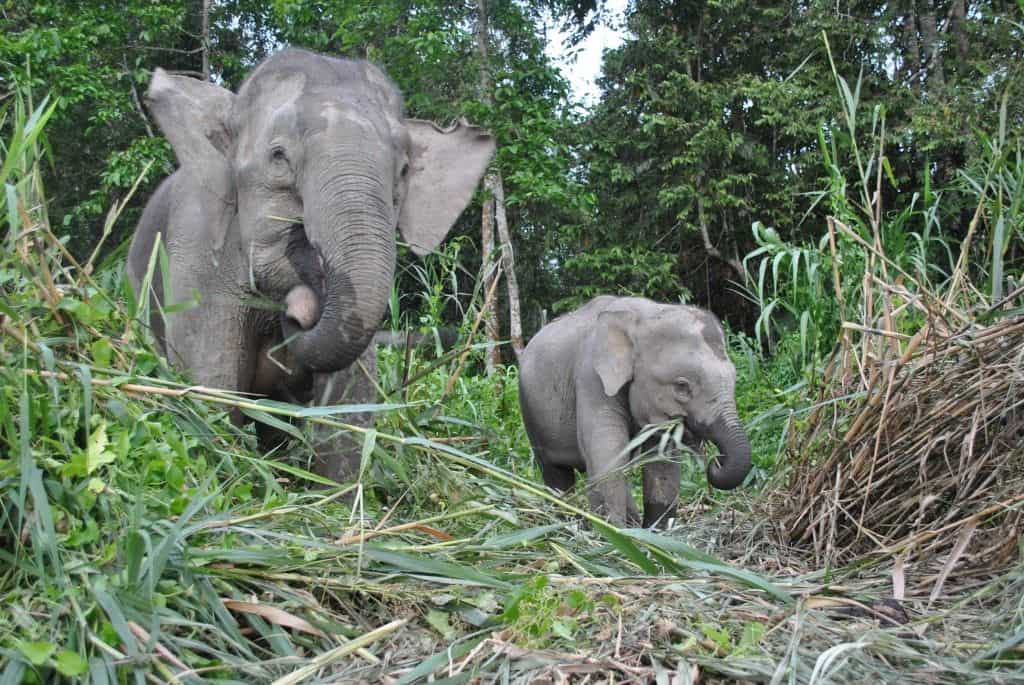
{"x": 957, "y": 28}
{"x": 709, "y": 247}
{"x": 508, "y": 265}
{"x": 206, "y": 40}
{"x": 932, "y": 46}
{"x": 911, "y": 47}
{"x": 493, "y": 355}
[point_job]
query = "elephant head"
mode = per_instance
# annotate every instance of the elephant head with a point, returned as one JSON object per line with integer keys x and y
{"x": 677, "y": 368}
{"x": 314, "y": 165}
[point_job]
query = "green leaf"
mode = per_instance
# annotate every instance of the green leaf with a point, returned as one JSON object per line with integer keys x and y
{"x": 71, "y": 664}
{"x": 438, "y": 620}
{"x": 298, "y": 472}
{"x": 369, "y": 441}
{"x": 617, "y": 538}
{"x": 718, "y": 635}
{"x": 274, "y": 422}
{"x": 561, "y": 629}
{"x": 753, "y": 631}
{"x": 521, "y": 537}
{"x": 101, "y": 351}
{"x": 683, "y": 555}
{"x": 447, "y": 655}
{"x": 96, "y": 453}
{"x": 37, "y": 652}
{"x": 342, "y": 409}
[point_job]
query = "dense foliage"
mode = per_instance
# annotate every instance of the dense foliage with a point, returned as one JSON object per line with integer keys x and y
{"x": 725, "y": 102}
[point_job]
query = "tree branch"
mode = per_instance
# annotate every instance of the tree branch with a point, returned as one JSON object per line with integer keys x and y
{"x": 135, "y": 97}
{"x": 713, "y": 251}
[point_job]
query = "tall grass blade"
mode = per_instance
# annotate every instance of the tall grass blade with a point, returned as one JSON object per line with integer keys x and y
{"x": 444, "y": 571}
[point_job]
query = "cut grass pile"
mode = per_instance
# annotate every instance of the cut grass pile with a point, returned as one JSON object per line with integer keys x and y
{"x": 924, "y": 462}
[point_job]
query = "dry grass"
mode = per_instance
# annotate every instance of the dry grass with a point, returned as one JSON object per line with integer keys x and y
{"x": 924, "y": 459}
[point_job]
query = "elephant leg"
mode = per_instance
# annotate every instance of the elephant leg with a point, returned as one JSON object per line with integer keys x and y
{"x": 338, "y": 451}
{"x": 276, "y": 375}
{"x": 560, "y": 478}
{"x": 269, "y": 438}
{"x": 209, "y": 343}
{"x": 610, "y": 497}
{"x": 661, "y": 490}
{"x": 603, "y": 436}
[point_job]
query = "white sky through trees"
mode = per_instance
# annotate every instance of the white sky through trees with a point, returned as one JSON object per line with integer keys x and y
{"x": 582, "y": 65}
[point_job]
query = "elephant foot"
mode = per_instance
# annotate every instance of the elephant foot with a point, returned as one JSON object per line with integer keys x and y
{"x": 610, "y": 498}
{"x": 339, "y": 459}
{"x": 661, "y": 491}
{"x": 658, "y": 517}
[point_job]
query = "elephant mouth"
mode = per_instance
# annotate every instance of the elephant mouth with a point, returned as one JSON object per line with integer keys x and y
{"x": 302, "y": 307}
{"x": 304, "y": 302}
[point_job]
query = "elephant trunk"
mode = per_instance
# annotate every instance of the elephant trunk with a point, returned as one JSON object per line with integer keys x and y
{"x": 349, "y": 223}
{"x": 733, "y": 462}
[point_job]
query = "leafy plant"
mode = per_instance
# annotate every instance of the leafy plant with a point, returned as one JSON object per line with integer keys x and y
{"x": 540, "y": 615}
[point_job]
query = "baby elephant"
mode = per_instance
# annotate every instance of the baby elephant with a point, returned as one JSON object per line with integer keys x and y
{"x": 590, "y": 380}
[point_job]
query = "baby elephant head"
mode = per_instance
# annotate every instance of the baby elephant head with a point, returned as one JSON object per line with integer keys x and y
{"x": 677, "y": 368}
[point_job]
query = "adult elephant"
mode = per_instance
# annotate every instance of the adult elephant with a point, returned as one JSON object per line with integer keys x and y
{"x": 281, "y": 222}
{"x": 591, "y": 380}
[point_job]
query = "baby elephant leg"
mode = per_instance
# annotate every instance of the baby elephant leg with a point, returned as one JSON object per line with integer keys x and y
{"x": 560, "y": 478}
{"x": 603, "y": 436}
{"x": 661, "y": 490}
{"x": 608, "y": 491}
{"x": 610, "y": 497}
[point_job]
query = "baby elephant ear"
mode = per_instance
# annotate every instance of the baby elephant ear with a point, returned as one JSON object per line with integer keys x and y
{"x": 613, "y": 349}
{"x": 194, "y": 116}
{"x": 445, "y": 167}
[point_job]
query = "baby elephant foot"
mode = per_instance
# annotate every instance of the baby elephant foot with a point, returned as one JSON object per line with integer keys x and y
{"x": 661, "y": 492}
{"x": 338, "y": 459}
{"x": 611, "y": 499}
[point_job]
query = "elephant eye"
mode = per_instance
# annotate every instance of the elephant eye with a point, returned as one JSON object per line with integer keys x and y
{"x": 278, "y": 154}
{"x": 405, "y": 170}
{"x": 682, "y": 387}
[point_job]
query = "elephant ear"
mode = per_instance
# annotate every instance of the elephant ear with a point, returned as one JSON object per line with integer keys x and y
{"x": 613, "y": 349}
{"x": 194, "y": 116}
{"x": 445, "y": 166}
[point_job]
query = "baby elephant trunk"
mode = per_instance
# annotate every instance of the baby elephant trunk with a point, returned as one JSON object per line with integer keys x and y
{"x": 733, "y": 463}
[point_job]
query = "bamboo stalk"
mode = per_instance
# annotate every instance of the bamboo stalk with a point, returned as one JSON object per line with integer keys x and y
{"x": 329, "y": 657}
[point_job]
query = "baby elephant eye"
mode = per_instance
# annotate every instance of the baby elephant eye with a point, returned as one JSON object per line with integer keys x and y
{"x": 278, "y": 154}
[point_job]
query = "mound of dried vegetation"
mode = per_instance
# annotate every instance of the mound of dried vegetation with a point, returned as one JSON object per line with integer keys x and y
{"x": 922, "y": 435}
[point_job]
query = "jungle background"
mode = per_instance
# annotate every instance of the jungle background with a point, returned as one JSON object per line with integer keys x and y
{"x": 840, "y": 182}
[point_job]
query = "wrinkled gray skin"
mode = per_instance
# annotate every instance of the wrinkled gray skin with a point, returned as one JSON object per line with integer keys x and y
{"x": 591, "y": 380}
{"x": 292, "y": 189}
